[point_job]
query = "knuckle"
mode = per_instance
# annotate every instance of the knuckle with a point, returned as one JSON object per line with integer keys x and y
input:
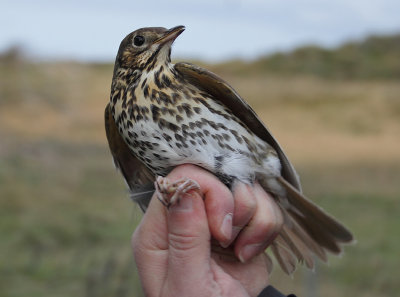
{"x": 184, "y": 170}
{"x": 182, "y": 242}
{"x": 246, "y": 204}
{"x": 267, "y": 225}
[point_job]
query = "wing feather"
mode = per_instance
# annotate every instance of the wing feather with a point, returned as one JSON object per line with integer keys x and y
{"x": 137, "y": 176}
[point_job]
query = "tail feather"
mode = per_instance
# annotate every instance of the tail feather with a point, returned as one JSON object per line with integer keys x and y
{"x": 302, "y": 235}
{"x": 314, "y": 217}
{"x": 298, "y": 247}
{"x": 284, "y": 255}
{"x": 318, "y": 233}
{"x": 307, "y": 231}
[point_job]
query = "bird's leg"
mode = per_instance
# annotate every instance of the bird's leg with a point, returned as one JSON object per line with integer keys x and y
{"x": 170, "y": 193}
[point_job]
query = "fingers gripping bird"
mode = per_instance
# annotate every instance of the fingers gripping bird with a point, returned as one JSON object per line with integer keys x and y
{"x": 162, "y": 115}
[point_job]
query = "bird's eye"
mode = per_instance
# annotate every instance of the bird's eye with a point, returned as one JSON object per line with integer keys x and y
{"x": 138, "y": 40}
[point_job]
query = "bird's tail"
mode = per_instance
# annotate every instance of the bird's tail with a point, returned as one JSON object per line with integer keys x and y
{"x": 307, "y": 231}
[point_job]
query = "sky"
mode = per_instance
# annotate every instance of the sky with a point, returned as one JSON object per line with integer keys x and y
{"x": 215, "y": 29}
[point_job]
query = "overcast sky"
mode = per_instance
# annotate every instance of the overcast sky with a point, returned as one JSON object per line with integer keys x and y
{"x": 215, "y": 29}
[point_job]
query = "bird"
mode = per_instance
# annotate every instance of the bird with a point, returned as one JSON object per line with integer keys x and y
{"x": 161, "y": 115}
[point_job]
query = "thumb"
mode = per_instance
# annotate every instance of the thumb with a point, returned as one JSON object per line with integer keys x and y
{"x": 189, "y": 244}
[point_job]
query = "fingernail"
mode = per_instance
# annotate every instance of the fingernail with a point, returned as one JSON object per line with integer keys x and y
{"x": 235, "y": 231}
{"x": 226, "y": 226}
{"x": 249, "y": 251}
{"x": 185, "y": 204}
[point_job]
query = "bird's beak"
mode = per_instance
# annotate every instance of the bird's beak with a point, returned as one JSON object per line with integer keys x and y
{"x": 170, "y": 35}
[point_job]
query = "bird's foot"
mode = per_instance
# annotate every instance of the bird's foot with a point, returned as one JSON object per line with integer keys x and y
{"x": 169, "y": 193}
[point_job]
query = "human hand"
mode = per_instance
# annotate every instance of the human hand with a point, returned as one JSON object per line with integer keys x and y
{"x": 172, "y": 247}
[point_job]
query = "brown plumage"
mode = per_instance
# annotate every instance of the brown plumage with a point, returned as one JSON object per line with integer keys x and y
{"x": 162, "y": 115}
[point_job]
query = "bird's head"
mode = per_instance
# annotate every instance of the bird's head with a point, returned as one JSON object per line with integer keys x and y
{"x": 145, "y": 48}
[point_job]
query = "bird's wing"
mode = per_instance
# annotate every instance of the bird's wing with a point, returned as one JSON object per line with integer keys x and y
{"x": 138, "y": 177}
{"x": 222, "y": 91}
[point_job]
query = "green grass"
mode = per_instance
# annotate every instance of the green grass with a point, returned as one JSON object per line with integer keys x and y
{"x": 65, "y": 223}
{"x": 366, "y": 199}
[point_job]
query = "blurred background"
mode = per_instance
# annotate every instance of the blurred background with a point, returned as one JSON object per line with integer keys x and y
{"x": 323, "y": 75}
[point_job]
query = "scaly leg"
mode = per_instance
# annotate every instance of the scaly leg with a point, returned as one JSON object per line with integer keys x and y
{"x": 169, "y": 193}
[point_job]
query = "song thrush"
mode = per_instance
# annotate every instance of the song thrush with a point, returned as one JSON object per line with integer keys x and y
{"x": 161, "y": 115}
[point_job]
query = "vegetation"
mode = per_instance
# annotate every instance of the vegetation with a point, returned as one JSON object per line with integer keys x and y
{"x": 377, "y": 57}
{"x": 65, "y": 218}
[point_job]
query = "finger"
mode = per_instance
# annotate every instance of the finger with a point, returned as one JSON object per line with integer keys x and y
{"x": 262, "y": 228}
{"x": 218, "y": 200}
{"x": 150, "y": 247}
{"x": 245, "y": 206}
{"x": 189, "y": 245}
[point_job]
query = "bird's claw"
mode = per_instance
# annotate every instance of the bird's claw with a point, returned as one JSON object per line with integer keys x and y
{"x": 169, "y": 193}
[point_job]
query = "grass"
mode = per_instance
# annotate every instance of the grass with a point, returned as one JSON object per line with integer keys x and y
{"x": 366, "y": 268}
{"x": 66, "y": 221}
